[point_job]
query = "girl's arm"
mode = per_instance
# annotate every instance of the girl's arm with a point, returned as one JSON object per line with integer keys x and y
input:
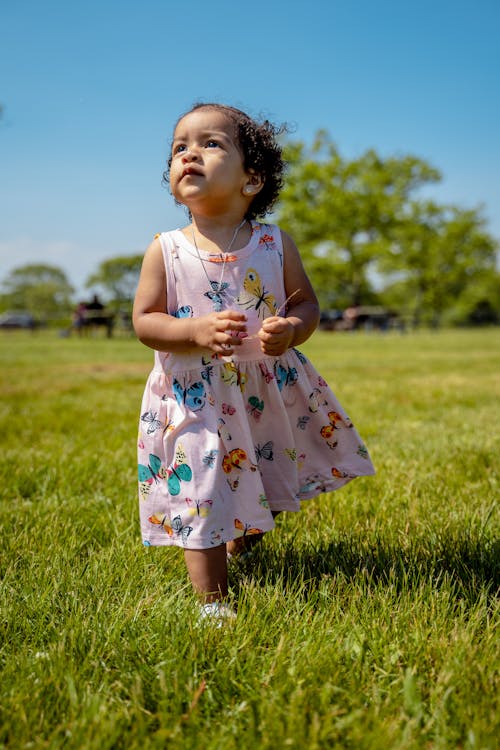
{"x": 302, "y": 317}
{"x": 163, "y": 332}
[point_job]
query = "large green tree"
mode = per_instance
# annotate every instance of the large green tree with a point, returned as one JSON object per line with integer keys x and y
{"x": 438, "y": 253}
{"x": 118, "y": 278}
{"x": 342, "y": 213}
{"x": 41, "y": 289}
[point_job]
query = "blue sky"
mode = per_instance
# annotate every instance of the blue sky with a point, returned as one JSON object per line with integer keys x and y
{"x": 91, "y": 91}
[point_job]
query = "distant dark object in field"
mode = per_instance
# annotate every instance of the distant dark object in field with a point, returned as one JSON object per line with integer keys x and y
{"x": 330, "y": 320}
{"x": 17, "y": 320}
{"x": 99, "y": 321}
{"x": 92, "y": 315}
{"x": 483, "y": 314}
{"x": 363, "y": 317}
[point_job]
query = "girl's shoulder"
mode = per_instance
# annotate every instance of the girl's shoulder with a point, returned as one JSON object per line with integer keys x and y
{"x": 169, "y": 233}
{"x": 268, "y": 234}
{"x": 170, "y": 240}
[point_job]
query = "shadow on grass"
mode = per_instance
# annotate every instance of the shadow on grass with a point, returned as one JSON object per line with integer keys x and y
{"x": 469, "y": 566}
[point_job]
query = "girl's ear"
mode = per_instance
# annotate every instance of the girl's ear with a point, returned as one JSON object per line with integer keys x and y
{"x": 253, "y": 184}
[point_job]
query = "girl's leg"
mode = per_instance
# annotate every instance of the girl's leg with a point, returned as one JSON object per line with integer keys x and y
{"x": 241, "y": 544}
{"x": 207, "y": 570}
{"x": 245, "y": 543}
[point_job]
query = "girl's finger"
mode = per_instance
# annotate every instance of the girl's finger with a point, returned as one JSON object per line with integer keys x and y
{"x": 235, "y": 325}
{"x": 275, "y": 325}
{"x": 232, "y": 315}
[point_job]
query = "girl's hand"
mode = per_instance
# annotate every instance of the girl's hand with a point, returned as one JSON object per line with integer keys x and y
{"x": 276, "y": 336}
{"x": 220, "y": 331}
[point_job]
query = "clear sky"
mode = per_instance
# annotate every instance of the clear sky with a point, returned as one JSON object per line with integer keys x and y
{"x": 91, "y": 91}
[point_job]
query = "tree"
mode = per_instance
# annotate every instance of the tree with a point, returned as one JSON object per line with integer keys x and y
{"x": 118, "y": 277}
{"x": 479, "y": 304}
{"x": 438, "y": 253}
{"x": 342, "y": 213}
{"x": 40, "y": 289}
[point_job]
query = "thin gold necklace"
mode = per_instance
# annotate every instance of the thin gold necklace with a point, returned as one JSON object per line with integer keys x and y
{"x": 217, "y": 287}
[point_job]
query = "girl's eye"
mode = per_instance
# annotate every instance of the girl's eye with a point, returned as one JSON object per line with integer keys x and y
{"x": 179, "y": 148}
{"x": 213, "y": 144}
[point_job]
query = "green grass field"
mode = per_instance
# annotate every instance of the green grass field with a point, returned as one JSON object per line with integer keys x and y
{"x": 369, "y": 620}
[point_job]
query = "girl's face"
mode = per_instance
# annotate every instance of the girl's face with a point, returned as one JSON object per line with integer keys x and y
{"x": 207, "y": 171}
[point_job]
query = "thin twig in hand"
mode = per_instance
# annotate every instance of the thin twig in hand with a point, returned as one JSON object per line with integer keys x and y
{"x": 278, "y": 312}
{"x": 285, "y": 303}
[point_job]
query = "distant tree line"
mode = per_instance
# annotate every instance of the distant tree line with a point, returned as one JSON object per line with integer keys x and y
{"x": 45, "y": 291}
{"x": 365, "y": 231}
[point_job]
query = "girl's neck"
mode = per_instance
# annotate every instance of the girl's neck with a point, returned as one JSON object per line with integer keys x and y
{"x": 216, "y": 233}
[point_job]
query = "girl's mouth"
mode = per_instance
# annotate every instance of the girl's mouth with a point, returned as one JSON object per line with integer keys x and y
{"x": 190, "y": 171}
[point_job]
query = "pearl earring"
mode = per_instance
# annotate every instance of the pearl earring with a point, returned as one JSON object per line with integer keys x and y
{"x": 248, "y": 189}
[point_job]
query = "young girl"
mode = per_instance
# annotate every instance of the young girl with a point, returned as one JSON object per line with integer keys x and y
{"x": 236, "y": 425}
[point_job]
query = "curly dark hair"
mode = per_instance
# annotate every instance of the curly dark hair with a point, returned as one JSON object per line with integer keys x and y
{"x": 261, "y": 154}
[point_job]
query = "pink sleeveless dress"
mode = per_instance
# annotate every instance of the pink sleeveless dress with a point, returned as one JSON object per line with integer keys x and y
{"x": 223, "y": 441}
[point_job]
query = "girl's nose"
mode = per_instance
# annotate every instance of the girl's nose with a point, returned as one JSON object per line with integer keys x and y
{"x": 189, "y": 156}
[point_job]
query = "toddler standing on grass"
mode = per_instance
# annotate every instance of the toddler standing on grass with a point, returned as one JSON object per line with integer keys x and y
{"x": 236, "y": 425}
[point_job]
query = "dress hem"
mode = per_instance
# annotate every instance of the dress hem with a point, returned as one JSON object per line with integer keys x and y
{"x": 325, "y": 489}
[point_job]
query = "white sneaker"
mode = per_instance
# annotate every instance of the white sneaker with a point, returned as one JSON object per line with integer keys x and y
{"x": 216, "y": 613}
